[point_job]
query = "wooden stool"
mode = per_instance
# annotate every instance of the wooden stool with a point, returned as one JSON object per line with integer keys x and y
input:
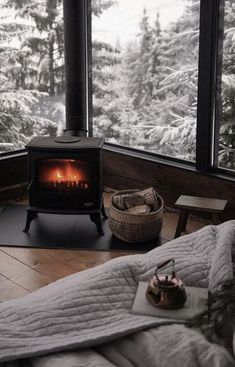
{"x": 188, "y": 203}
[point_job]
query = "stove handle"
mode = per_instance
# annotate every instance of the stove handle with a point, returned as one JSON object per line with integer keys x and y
{"x": 30, "y": 184}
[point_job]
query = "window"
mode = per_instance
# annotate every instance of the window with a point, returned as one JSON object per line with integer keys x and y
{"x": 145, "y": 74}
{"x": 160, "y": 74}
{"x": 225, "y": 133}
{"x": 31, "y": 71}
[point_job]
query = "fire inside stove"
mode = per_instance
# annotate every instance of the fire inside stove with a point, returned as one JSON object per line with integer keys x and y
{"x": 63, "y": 175}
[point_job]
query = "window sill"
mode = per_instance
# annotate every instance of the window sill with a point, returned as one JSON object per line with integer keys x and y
{"x": 13, "y": 154}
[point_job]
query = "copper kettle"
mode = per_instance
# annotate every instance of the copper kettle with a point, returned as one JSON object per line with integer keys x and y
{"x": 166, "y": 291}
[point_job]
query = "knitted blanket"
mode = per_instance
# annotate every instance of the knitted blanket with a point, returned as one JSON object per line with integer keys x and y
{"x": 92, "y": 308}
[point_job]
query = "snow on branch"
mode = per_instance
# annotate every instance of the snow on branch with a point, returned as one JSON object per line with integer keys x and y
{"x": 228, "y": 80}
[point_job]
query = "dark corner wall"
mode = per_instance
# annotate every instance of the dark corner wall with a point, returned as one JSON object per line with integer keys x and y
{"x": 13, "y": 177}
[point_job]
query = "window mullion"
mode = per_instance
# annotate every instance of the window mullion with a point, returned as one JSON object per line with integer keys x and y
{"x": 209, "y": 14}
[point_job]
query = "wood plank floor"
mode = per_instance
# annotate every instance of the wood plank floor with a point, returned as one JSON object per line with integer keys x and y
{"x": 23, "y": 270}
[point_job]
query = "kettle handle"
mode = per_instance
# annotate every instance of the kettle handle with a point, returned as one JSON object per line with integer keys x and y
{"x": 162, "y": 265}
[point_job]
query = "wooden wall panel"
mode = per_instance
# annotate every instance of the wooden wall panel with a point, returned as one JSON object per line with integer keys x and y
{"x": 13, "y": 171}
{"x": 121, "y": 171}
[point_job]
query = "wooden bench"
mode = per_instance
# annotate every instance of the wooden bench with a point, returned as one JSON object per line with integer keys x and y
{"x": 194, "y": 203}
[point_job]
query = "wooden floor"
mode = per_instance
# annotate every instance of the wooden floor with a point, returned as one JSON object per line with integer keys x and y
{"x": 23, "y": 270}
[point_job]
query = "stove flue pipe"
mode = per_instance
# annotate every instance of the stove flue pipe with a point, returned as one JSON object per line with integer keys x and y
{"x": 75, "y": 40}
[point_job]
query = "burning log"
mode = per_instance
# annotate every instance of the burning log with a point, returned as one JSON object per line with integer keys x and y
{"x": 64, "y": 186}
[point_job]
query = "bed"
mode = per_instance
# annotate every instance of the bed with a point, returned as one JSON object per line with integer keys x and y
{"x": 85, "y": 319}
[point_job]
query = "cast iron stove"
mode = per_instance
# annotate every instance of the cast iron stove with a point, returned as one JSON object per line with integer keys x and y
{"x": 65, "y": 177}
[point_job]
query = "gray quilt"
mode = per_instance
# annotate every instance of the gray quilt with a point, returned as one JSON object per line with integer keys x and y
{"x": 88, "y": 313}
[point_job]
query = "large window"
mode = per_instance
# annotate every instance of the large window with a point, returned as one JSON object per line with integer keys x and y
{"x": 145, "y": 74}
{"x": 157, "y": 76}
{"x": 225, "y": 135}
{"x": 31, "y": 71}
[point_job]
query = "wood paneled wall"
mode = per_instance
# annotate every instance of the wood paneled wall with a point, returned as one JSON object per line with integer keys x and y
{"x": 13, "y": 170}
{"x": 121, "y": 171}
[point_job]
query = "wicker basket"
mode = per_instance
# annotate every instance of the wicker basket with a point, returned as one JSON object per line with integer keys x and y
{"x": 135, "y": 227}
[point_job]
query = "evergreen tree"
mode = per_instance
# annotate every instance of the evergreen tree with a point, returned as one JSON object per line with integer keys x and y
{"x": 105, "y": 59}
{"x": 139, "y": 66}
{"x": 105, "y": 97}
{"x": 172, "y": 115}
{"x": 227, "y": 117}
{"x": 141, "y": 63}
{"x": 99, "y": 6}
{"x": 44, "y": 45}
{"x": 17, "y": 123}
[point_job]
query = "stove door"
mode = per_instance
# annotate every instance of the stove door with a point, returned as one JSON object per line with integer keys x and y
{"x": 64, "y": 182}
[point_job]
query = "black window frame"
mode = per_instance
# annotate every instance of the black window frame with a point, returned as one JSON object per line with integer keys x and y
{"x": 206, "y": 83}
{"x": 209, "y": 78}
{"x": 209, "y": 43}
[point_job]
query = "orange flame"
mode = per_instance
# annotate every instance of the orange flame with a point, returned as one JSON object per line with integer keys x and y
{"x": 59, "y": 174}
{"x": 63, "y": 170}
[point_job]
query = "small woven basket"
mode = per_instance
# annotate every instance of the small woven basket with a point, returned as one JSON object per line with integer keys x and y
{"x": 135, "y": 227}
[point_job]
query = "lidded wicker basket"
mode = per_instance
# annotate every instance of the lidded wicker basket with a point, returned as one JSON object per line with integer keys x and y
{"x": 135, "y": 227}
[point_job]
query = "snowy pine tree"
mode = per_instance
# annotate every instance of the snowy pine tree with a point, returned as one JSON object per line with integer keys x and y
{"x": 43, "y": 45}
{"x": 227, "y": 117}
{"x": 25, "y": 45}
{"x": 139, "y": 65}
{"x": 171, "y": 123}
{"x": 105, "y": 59}
{"x": 17, "y": 124}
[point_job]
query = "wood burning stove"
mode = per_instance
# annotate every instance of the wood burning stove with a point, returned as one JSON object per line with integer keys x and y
{"x": 65, "y": 177}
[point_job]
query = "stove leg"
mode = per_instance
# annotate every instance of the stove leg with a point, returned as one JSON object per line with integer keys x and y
{"x": 103, "y": 211}
{"x": 96, "y": 218}
{"x": 31, "y": 215}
